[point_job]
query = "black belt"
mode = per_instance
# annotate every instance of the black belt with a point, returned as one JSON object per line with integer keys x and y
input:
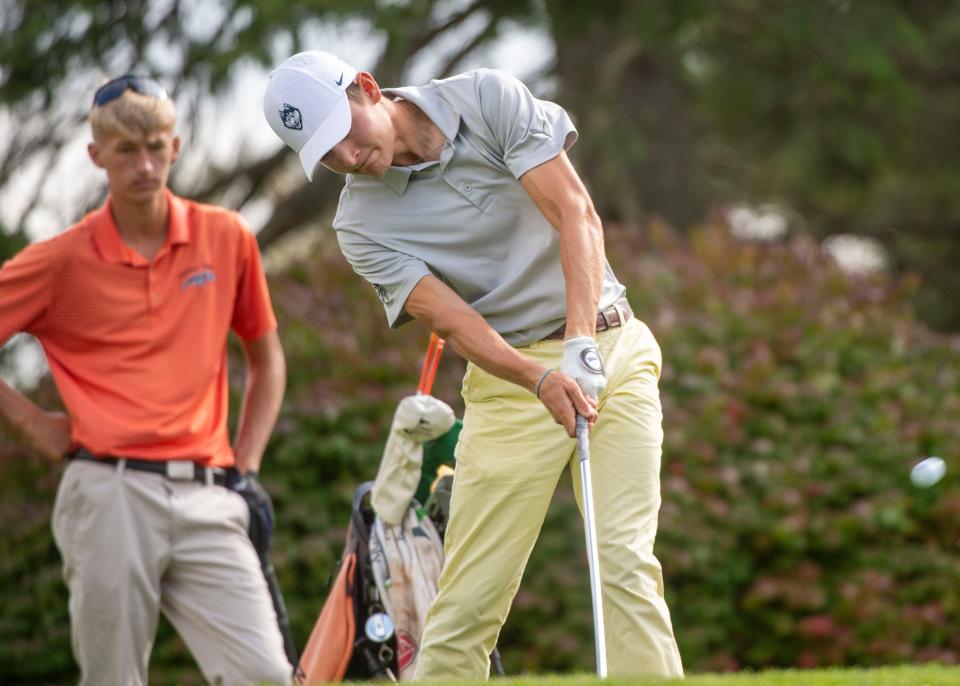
{"x": 616, "y": 315}
{"x": 175, "y": 470}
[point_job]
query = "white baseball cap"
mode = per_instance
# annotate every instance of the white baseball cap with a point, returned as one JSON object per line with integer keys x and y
{"x": 306, "y": 104}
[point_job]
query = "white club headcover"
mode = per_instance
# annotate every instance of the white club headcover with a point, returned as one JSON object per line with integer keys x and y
{"x": 423, "y": 418}
{"x": 418, "y": 418}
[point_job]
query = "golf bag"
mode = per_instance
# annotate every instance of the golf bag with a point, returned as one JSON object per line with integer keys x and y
{"x": 390, "y": 566}
{"x": 372, "y": 621}
{"x": 406, "y": 561}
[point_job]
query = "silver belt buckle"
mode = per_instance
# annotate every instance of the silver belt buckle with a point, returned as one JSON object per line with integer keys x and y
{"x": 621, "y": 313}
{"x": 180, "y": 470}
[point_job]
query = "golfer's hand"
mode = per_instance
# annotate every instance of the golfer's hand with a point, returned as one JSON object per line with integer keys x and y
{"x": 582, "y": 363}
{"x": 564, "y": 399}
{"x": 49, "y": 433}
{"x": 261, "y": 509}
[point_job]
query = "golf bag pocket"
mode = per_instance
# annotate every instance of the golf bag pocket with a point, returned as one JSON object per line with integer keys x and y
{"x": 372, "y": 622}
{"x": 330, "y": 646}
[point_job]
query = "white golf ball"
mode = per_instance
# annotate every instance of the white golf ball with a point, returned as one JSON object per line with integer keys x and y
{"x": 928, "y": 472}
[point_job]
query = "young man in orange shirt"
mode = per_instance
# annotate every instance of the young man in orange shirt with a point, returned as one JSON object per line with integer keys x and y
{"x": 132, "y": 306}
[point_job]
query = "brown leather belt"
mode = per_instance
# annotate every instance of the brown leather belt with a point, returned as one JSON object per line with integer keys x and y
{"x": 616, "y": 315}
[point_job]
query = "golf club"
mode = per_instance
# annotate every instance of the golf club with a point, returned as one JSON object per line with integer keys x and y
{"x": 430, "y": 363}
{"x": 590, "y": 528}
{"x": 283, "y": 618}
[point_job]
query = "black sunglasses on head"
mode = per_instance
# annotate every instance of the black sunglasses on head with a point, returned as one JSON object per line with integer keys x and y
{"x": 114, "y": 88}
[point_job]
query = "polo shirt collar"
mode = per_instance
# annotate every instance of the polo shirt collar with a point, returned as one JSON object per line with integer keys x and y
{"x": 440, "y": 113}
{"x": 396, "y": 178}
{"x": 110, "y": 243}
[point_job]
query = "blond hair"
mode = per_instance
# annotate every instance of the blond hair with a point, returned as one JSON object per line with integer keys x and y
{"x": 132, "y": 115}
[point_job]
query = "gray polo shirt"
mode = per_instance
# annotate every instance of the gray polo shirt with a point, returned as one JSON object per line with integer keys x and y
{"x": 465, "y": 218}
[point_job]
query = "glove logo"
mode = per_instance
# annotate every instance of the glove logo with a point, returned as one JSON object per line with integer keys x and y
{"x": 591, "y": 360}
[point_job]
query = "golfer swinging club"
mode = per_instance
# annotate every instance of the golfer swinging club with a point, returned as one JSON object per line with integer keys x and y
{"x": 462, "y": 210}
{"x": 132, "y": 306}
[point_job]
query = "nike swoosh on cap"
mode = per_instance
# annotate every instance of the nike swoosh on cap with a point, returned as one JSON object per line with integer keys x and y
{"x": 340, "y": 80}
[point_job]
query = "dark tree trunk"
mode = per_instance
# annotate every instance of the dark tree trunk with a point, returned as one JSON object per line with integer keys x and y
{"x": 638, "y": 140}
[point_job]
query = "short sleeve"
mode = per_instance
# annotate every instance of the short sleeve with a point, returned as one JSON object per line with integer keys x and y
{"x": 26, "y": 288}
{"x": 393, "y": 274}
{"x": 529, "y": 131}
{"x": 253, "y": 314}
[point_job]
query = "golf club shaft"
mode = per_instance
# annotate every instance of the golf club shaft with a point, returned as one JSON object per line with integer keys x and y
{"x": 283, "y": 619}
{"x": 590, "y": 529}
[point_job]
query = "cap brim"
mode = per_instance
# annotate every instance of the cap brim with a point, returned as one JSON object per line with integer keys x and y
{"x": 331, "y": 131}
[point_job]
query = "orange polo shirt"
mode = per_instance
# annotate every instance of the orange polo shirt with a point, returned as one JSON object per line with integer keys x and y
{"x": 138, "y": 349}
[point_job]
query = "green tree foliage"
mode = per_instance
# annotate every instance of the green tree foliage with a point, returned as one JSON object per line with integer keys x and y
{"x": 54, "y": 54}
{"x": 850, "y": 113}
{"x": 11, "y": 242}
{"x": 796, "y": 399}
{"x": 844, "y": 112}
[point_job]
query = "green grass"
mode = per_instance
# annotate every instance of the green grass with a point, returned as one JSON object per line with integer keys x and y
{"x": 908, "y": 675}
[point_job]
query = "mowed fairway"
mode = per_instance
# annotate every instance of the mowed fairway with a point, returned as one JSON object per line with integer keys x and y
{"x": 926, "y": 675}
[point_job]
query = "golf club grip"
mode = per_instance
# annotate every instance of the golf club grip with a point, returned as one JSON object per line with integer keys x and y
{"x": 583, "y": 442}
{"x": 427, "y": 361}
{"x": 435, "y": 366}
{"x": 280, "y": 607}
{"x": 430, "y": 363}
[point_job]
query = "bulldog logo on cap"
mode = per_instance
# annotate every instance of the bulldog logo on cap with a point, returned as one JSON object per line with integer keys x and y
{"x": 291, "y": 117}
{"x": 320, "y": 116}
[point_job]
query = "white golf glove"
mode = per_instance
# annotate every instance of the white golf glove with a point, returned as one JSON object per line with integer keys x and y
{"x": 582, "y": 362}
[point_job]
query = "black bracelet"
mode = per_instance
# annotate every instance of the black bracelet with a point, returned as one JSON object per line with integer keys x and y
{"x": 540, "y": 382}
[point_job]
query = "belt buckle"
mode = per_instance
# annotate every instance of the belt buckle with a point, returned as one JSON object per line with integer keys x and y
{"x": 602, "y": 322}
{"x": 180, "y": 470}
{"x": 621, "y": 313}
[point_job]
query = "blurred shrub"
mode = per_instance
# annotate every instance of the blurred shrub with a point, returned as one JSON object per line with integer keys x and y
{"x": 795, "y": 397}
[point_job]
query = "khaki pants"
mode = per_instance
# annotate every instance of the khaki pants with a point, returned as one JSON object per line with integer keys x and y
{"x": 509, "y": 459}
{"x": 135, "y": 544}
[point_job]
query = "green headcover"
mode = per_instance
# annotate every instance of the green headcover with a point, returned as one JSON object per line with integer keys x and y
{"x": 435, "y": 453}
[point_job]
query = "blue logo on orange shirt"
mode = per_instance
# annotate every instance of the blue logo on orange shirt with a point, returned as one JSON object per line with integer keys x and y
{"x": 198, "y": 279}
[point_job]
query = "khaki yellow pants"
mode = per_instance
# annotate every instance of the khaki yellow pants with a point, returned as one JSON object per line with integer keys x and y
{"x": 135, "y": 544}
{"x": 509, "y": 459}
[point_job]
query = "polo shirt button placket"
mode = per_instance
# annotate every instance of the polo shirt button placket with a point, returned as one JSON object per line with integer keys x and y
{"x": 151, "y": 285}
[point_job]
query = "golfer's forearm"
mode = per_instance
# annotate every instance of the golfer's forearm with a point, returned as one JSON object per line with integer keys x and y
{"x": 476, "y": 341}
{"x": 261, "y": 405}
{"x": 582, "y": 259}
{"x": 263, "y": 394}
{"x": 436, "y": 306}
{"x": 16, "y": 408}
